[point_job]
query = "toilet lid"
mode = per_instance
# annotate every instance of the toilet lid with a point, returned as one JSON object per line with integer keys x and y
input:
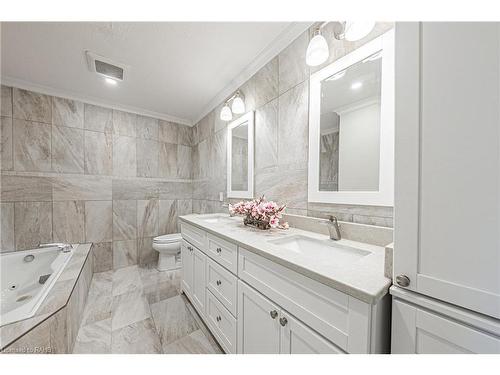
{"x": 168, "y": 238}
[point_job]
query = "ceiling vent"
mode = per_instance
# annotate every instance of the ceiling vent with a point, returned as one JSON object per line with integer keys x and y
{"x": 105, "y": 67}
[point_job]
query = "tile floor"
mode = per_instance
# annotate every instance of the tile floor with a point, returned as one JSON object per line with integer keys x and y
{"x": 140, "y": 310}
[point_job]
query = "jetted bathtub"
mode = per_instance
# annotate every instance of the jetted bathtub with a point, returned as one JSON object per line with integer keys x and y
{"x": 26, "y": 279}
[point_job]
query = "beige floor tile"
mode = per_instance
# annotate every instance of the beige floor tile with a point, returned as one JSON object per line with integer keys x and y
{"x": 94, "y": 338}
{"x": 173, "y": 319}
{"x": 194, "y": 343}
{"x": 136, "y": 338}
{"x": 129, "y": 308}
{"x": 126, "y": 280}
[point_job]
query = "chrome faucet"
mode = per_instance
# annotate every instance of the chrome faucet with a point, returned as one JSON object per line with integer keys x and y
{"x": 334, "y": 228}
{"x": 64, "y": 247}
{"x": 226, "y": 205}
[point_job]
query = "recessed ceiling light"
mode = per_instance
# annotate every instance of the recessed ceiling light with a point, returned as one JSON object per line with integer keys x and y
{"x": 356, "y": 85}
{"x": 110, "y": 81}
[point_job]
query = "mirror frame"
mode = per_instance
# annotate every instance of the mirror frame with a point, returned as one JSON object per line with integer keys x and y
{"x": 249, "y": 119}
{"x": 385, "y": 195}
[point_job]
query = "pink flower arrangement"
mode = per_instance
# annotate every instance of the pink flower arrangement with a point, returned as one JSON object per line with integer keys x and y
{"x": 259, "y": 212}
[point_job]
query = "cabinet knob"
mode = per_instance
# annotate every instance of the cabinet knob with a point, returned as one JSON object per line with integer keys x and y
{"x": 219, "y": 249}
{"x": 403, "y": 280}
{"x": 283, "y": 321}
{"x": 218, "y": 318}
{"x": 273, "y": 314}
{"x": 218, "y": 282}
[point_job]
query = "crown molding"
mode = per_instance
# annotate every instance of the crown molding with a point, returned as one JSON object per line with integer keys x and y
{"x": 273, "y": 49}
{"x": 25, "y": 85}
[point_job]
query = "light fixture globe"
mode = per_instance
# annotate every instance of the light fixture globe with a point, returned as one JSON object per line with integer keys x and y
{"x": 110, "y": 81}
{"x": 238, "y": 105}
{"x": 317, "y": 50}
{"x": 225, "y": 113}
{"x": 356, "y": 30}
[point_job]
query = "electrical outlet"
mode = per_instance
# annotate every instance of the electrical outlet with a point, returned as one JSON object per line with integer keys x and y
{"x": 221, "y": 196}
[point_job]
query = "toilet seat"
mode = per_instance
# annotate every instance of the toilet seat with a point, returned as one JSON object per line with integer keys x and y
{"x": 167, "y": 238}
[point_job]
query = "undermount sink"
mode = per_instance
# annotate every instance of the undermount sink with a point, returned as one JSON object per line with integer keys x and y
{"x": 217, "y": 219}
{"x": 321, "y": 249}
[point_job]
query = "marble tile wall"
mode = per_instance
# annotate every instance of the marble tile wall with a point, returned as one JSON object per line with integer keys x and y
{"x": 279, "y": 94}
{"x": 76, "y": 172}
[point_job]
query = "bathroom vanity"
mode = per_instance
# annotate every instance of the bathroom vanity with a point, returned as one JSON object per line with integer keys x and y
{"x": 284, "y": 291}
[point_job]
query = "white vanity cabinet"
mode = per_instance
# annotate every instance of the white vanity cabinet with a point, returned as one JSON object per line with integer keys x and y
{"x": 187, "y": 268}
{"x": 350, "y": 324}
{"x": 211, "y": 287}
{"x": 193, "y": 275}
{"x": 223, "y": 284}
{"x": 199, "y": 280}
{"x": 254, "y": 305}
{"x": 297, "y": 338}
{"x": 222, "y": 323}
{"x": 265, "y": 328}
{"x": 259, "y": 330}
{"x": 223, "y": 252}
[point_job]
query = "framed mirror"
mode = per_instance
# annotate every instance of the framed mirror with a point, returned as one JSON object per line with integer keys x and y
{"x": 351, "y": 127}
{"x": 240, "y": 157}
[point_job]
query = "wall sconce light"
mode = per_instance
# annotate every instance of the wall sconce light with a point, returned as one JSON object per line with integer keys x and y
{"x": 317, "y": 50}
{"x": 237, "y": 107}
{"x": 356, "y": 30}
{"x": 225, "y": 113}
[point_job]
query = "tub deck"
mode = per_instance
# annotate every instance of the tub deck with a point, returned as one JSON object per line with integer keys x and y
{"x": 71, "y": 286}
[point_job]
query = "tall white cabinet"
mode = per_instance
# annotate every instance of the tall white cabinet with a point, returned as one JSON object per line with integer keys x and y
{"x": 447, "y": 177}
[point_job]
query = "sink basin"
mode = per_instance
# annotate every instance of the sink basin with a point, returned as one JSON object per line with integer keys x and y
{"x": 321, "y": 249}
{"x": 217, "y": 219}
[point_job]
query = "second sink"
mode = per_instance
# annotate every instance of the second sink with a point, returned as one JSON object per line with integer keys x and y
{"x": 321, "y": 249}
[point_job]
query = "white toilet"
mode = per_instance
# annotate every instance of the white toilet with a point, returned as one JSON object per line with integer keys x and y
{"x": 169, "y": 248}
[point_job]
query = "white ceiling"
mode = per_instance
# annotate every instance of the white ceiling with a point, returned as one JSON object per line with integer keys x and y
{"x": 177, "y": 69}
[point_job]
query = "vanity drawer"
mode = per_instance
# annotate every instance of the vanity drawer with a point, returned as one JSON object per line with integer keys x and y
{"x": 222, "y": 323}
{"x": 342, "y": 319}
{"x": 195, "y": 236}
{"x": 223, "y": 252}
{"x": 223, "y": 284}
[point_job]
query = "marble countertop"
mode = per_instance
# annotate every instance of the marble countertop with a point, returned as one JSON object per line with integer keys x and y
{"x": 56, "y": 299}
{"x": 363, "y": 279}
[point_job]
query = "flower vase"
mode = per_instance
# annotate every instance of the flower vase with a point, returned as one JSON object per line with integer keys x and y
{"x": 260, "y": 224}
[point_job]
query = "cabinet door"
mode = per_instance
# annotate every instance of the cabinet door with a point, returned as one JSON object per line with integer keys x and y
{"x": 417, "y": 330}
{"x": 199, "y": 281}
{"x": 187, "y": 255}
{"x": 447, "y": 164}
{"x": 258, "y": 322}
{"x": 297, "y": 338}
